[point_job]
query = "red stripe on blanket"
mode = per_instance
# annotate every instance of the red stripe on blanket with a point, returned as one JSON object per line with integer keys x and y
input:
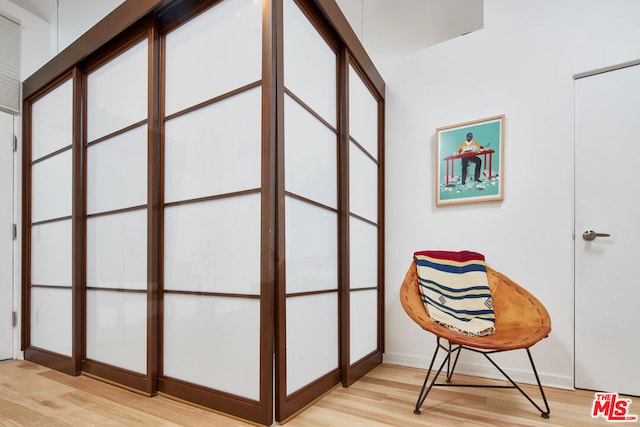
{"x": 460, "y": 256}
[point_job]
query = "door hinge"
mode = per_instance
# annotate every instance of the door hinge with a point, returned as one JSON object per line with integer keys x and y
{"x": 15, "y": 143}
{"x": 15, "y": 232}
{"x": 14, "y": 319}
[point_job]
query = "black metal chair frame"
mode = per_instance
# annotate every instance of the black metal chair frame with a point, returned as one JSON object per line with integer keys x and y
{"x": 450, "y": 350}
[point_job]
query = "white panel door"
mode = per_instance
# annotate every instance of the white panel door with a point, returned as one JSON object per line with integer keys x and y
{"x": 607, "y": 286}
{"x": 6, "y": 235}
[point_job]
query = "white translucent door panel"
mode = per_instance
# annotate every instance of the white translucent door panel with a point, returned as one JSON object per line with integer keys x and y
{"x": 51, "y": 253}
{"x": 363, "y": 203}
{"x": 363, "y": 254}
{"x": 363, "y": 114}
{"x": 51, "y": 183}
{"x": 213, "y": 246}
{"x": 50, "y": 276}
{"x": 311, "y": 247}
{"x": 117, "y": 92}
{"x": 52, "y": 121}
{"x": 116, "y": 178}
{"x": 312, "y": 338}
{"x": 363, "y": 310}
{"x": 308, "y": 58}
{"x": 215, "y": 149}
{"x": 117, "y": 250}
{"x": 310, "y": 155}
{"x": 51, "y": 319}
{"x": 213, "y": 342}
{"x": 117, "y": 172}
{"x": 214, "y": 53}
{"x": 363, "y": 184}
{"x": 116, "y": 331}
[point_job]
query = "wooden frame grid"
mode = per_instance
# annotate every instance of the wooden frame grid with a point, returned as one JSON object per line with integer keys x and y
{"x": 130, "y": 23}
{"x": 354, "y": 371}
{"x": 288, "y": 404}
{"x": 145, "y": 29}
{"x": 70, "y": 365}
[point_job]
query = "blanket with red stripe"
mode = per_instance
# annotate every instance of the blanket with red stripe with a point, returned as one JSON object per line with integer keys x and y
{"x": 455, "y": 290}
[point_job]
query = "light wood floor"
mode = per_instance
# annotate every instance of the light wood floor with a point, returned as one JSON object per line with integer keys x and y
{"x": 32, "y": 395}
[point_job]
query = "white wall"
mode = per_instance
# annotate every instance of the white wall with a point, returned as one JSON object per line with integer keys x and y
{"x": 396, "y": 27}
{"x": 75, "y": 17}
{"x": 521, "y": 64}
{"x": 34, "y": 47}
{"x": 60, "y": 22}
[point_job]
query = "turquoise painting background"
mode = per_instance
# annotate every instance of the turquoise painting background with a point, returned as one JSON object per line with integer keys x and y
{"x": 488, "y": 136}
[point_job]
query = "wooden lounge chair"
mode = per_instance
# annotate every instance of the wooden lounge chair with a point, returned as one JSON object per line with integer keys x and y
{"x": 520, "y": 322}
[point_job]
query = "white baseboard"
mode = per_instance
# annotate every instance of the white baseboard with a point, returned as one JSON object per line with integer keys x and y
{"x": 481, "y": 370}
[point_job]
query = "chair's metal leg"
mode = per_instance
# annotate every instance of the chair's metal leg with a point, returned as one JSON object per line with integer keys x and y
{"x": 426, "y": 379}
{"x": 449, "y": 364}
{"x": 543, "y": 413}
{"x": 455, "y": 362}
{"x": 425, "y": 391}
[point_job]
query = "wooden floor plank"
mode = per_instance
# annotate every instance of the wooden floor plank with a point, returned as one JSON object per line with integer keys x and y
{"x": 32, "y": 395}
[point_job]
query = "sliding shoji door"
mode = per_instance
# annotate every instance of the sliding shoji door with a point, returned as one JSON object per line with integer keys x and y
{"x": 365, "y": 260}
{"x": 116, "y": 159}
{"x": 308, "y": 317}
{"x": 216, "y": 326}
{"x": 204, "y": 199}
{"x": 49, "y": 299}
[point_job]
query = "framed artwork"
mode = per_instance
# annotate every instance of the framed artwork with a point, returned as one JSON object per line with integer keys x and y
{"x": 470, "y": 162}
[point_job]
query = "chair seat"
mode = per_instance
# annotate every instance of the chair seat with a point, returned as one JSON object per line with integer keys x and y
{"x": 521, "y": 319}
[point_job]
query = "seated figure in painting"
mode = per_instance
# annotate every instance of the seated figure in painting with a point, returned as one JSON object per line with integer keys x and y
{"x": 469, "y": 146}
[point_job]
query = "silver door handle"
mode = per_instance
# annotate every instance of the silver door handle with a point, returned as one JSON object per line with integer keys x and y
{"x": 591, "y": 235}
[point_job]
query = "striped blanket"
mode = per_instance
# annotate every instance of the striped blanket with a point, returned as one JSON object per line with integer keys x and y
{"x": 455, "y": 290}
